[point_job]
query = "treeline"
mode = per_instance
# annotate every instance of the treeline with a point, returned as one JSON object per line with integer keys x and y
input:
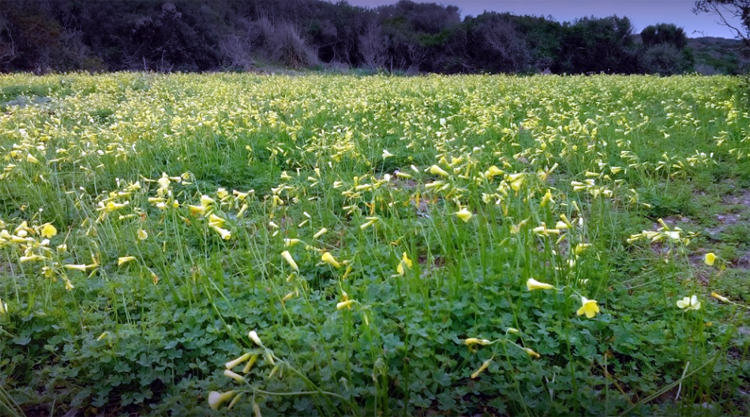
{"x": 204, "y": 35}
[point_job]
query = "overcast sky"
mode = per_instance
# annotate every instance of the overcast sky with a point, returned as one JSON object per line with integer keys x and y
{"x": 641, "y": 12}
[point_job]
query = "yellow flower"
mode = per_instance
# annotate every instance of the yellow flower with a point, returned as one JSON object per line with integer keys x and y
{"x": 225, "y": 234}
{"x": 125, "y": 259}
{"x": 78, "y": 267}
{"x": 436, "y": 170}
{"x": 516, "y": 181}
{"x": 405, "y": 261}
{"x": 164, "y": 180}
{"x": 345, "y": 304}
{"x": 533, "y": 284}
{"x": 547, "y": 199}
{"x": 588, "y": 307}
{"x": 493, "y": 171}
{"x": 320, "y": 233}
{"x": 464, "y": 215}
{"x": 710, "y": 258}
{"x": 330, "y": 260}
{"x": 3, "y": 307}
{"x": 31, "y": 258}
{"x": 214, "y": 220}
{"x": 197, "y": 210}
{"x": 689, "y": 303}
{"x": 387, "y": 154}
{"x": 216, "y": 399}
{"x": 142, "y": 235}
{"x": 207, "y": 201}
{"x": 288, "y": 258}
{"x": 48, "y": 230}
{"x": 243, "y": 358}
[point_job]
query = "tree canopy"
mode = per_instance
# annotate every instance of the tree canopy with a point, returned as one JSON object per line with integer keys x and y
{"x": 203, "y": 35}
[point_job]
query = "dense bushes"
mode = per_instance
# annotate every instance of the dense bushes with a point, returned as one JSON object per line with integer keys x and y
{"x": 201, "y": 35}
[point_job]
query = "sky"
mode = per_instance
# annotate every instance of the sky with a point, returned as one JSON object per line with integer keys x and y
{"x": 641, "y": 12}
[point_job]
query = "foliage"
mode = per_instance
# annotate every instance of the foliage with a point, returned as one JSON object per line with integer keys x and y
{"x": 198, "y": 35}
{"x": 664, "y": 33}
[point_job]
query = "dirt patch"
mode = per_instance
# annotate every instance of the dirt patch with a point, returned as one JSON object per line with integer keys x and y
{"x": 741, "y": 198}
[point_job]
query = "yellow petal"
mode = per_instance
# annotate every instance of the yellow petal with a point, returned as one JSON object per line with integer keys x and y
{"x": 464, "y": 214}
{"x": 288, "y": 258}
{"x": 125, "y": 259}
{"x": 330, "y": 260}
{"x": 533, "y": 284}
{"x": 48, "y": 230}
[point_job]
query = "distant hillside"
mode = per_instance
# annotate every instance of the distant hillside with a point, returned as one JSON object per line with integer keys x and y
{"x": 719, "y": 56}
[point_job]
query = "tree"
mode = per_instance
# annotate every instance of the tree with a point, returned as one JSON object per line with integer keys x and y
{"x": 664, "y": 33}
{"x": 594, "y": 45}
{"x": 496, "y": 45}
{"x": 666, "y": 59}
{"x": 727, "y": 11}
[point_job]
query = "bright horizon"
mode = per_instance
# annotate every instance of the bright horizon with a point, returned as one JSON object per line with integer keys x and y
{"x": 641, "y": 12}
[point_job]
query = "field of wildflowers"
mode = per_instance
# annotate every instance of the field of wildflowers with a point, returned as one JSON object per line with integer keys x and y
{"x": 234, "y": 244}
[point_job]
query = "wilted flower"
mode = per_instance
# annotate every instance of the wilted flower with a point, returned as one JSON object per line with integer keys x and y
{"x": 720, "y": 297}
{"x": 481, "y": 369}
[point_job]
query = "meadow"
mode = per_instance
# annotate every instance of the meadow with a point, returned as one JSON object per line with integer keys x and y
{"x": 238, "y": 244}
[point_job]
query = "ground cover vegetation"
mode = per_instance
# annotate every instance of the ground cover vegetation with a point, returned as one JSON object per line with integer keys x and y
{"x": 199, "y": 35}
{"x": 336, "y": 245}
